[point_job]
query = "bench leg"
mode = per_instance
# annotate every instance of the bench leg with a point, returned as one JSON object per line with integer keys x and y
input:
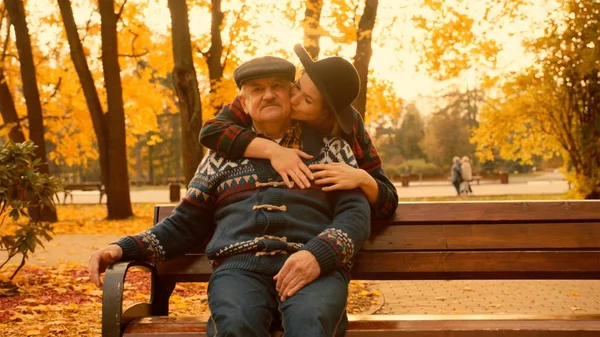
{"x": 160, "y": 297}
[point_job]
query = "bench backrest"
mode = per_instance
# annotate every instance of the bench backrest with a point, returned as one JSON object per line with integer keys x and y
{"x": 463, "y": 240}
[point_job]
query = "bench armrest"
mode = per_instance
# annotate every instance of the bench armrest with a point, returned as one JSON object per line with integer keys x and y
{"x": 114, "y": 319}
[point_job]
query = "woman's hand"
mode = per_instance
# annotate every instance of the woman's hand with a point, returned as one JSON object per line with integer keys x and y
{"x": 288, "y": 163}
{"x": 339, "y": 176}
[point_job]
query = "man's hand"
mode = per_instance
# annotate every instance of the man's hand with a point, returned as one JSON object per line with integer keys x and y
{"x": 299, "y": 270}
{"x": 100, "y": 259}
{"x": 288, "y": 163}
{"x": 339, "y": 176}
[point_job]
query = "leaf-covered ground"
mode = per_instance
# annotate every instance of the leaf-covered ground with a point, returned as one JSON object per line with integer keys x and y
{"x": 60, "y": 301}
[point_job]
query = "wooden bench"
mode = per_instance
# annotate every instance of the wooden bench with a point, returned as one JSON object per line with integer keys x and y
{"x": 424, "y": 241}
{"x": 83, "y": 187}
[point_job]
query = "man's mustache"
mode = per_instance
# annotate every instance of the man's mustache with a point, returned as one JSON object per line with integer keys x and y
{"x": 267, "y": 104}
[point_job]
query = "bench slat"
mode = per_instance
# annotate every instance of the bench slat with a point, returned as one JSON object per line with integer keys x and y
{"x": 516, "y": 236}
{"x": 504, "y": 211}
{"x": 474, "y": 211}
{"x": 432, "y": 265}
{"x": 485, "y": 236}
{"x": 478, "y": 265}
{"x": 406, "y": 325}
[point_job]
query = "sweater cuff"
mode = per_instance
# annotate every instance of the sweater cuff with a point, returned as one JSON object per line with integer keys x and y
{"x": 324, "y": 253}
{"x": 130, "y": 249}
{"x": 383, "y": 207}
{"x": 240, "y": 143}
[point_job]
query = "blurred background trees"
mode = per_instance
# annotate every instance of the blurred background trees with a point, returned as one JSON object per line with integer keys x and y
{"x": 124, "y": 85}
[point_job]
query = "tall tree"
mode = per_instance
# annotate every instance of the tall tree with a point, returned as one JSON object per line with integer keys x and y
{"x": 7, "y": 104}
{"x": 215, "y": 52}
{"x": 119, "y": 205}
{"x": 447, "y": 135}
{"x": 89, "y": 90}
{"x": 9, "y": 112}
{"x": 16, "y": 13}
{"x": 312, "y": 27}
{"x": 186, "y": 87}
{"x": 364, "y": 51}
{"x": 554, "y": 106}
{"x": 410, "y": 134}
{"x": 218, "y": 55}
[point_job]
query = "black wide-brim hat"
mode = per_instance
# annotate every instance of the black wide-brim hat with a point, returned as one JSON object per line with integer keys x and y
{"x": 338, "y": 83}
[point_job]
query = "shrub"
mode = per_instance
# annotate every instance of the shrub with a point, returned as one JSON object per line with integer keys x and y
{"x": 419, "y": 166}
{"x": 23, "y": 189}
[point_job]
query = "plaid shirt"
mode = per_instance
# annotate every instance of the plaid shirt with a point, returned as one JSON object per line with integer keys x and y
{"x": 230, "y": 132}
{"x": 292, "y": 138}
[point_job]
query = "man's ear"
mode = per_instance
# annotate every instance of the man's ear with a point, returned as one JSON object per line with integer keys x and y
{"x": 243, "y": 102}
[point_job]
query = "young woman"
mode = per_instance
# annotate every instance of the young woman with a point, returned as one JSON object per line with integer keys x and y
{"x": 321, "y": 97}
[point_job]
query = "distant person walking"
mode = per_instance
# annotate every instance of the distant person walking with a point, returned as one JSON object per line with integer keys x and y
{"x": 456, "y": 174}
{"x": 467, "y": 176}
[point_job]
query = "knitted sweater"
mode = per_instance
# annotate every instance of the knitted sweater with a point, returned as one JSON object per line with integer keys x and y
{"x": 230, "y": 132}
{"x": 256, "y": 214}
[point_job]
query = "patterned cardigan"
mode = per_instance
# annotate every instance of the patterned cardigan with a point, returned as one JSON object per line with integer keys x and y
{"x": 255, "y": 214}
{"x": 230, "y": 132}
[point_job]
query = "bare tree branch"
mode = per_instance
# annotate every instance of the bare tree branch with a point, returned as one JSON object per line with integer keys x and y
{"x": 87, "y": 25}
{"x": 56, "y": 88}
{"x": 121, "y": 10}
{"x": 135, "y": 55}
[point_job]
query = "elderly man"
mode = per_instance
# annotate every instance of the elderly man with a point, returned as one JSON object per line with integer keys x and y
{"x": 275, "y": 250}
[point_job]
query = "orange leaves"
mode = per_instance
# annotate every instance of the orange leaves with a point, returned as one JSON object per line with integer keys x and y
{"x": 382, "y": 99}
{"x": 462, "y": 34}
{"x": 361, "y": 299}
{"x": 43, "y": 308}
{"x": 91, "y": 219}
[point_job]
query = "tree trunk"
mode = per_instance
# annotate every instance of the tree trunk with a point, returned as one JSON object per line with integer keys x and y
{"x": 213, "y": 57}
{"x": 186, "y": 87}
{"x": 364, "y": 51}
{"x": 16, "y": 13}
{"x": 7, "y": 104}
{"x": 9, "y": 112}
{"x": 117, "y": 188}
{"x": 312, "y": 27}
{"x": 89, "y": 88}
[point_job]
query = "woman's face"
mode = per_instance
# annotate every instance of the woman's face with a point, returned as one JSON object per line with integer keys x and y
{"x": 306, "y": 100}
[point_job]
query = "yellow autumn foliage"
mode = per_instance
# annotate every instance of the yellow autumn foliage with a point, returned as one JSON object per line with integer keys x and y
{"x": 462, "y": 34}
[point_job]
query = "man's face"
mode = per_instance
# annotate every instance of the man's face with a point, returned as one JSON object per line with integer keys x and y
{"x": 266, "y": 99}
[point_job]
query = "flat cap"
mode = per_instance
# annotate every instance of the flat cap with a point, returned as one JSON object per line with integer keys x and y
{"x": 264, "y": 66}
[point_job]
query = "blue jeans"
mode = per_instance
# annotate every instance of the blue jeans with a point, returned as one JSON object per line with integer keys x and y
{"x": 243, "y": 303}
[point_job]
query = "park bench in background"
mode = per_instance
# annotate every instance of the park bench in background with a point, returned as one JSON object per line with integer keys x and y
{"x": 424, "y": 241}
{"x": 83, "y": 187}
